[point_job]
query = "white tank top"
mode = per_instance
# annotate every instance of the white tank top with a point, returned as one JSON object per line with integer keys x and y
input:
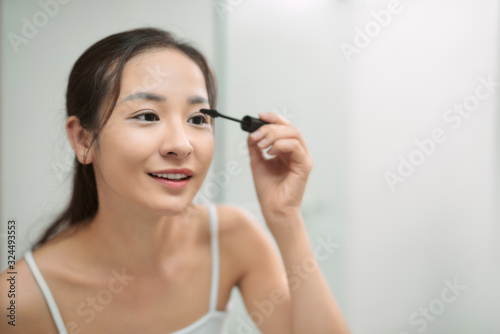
{"x": 213, "y": 322}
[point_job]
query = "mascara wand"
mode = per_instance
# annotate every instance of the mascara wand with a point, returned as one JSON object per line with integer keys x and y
{"x": 248, "y": 123}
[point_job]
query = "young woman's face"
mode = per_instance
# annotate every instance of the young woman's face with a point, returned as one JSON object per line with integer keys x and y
{"x": 156, "y": 125}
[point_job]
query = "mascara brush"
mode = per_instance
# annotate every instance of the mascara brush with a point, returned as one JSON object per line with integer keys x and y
{"x": 248, "y": 123}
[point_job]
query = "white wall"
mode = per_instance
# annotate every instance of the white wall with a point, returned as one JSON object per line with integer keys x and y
{"x": 439, "y": 223}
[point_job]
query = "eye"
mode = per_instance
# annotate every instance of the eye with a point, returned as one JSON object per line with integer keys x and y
{"x": 202, "y": 118}
{"x": 149, "y": 116}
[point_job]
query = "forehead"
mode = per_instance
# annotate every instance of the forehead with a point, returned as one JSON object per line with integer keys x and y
{"x": 162, "y": 70}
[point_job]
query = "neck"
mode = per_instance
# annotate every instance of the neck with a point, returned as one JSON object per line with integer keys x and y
{"x": 140, "y": 241}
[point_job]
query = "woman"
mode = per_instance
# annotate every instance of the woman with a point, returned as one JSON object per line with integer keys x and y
{"x": 132, "y": 253}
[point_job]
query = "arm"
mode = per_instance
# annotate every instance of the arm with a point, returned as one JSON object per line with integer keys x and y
{"x": 300, "y": 303}
{"x": 263, "y": 285}
{"x": 313, "y": 307}
{"x": 280, "y": 183}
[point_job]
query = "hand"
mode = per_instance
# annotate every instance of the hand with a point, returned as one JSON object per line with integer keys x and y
{"x": 279, "y": 181}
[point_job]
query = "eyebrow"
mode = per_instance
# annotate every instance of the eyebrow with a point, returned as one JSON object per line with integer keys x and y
{"x": 144, "y": 96}
{"x": 155, "y": 97}
{"x": 196, "y": 100}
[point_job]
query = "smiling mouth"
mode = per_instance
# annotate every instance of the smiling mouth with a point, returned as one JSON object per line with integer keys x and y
{"x": 170, "y": 179}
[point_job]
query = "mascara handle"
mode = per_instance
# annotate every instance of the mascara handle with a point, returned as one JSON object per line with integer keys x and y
{"x": 250, "y": 124}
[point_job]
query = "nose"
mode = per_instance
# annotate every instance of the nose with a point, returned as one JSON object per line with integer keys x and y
{"x": 175, "y": 141}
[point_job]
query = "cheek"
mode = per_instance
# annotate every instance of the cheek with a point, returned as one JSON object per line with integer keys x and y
{"x": 206, "y": 147}
{"x": 124, "y": 150}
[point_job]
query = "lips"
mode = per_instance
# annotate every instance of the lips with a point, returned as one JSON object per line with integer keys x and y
{"x": 171, "y": 177}
{"x": 185, "y": 171}
{"x": 175, "y": 184}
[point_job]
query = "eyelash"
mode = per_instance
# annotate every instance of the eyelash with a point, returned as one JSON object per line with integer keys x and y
{"x": 205, "y": 121}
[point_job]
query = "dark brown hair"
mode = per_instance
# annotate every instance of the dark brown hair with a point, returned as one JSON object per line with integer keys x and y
{"x": 92, "y": 92}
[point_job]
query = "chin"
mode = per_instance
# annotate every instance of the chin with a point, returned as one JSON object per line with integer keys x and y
{"x": 174, "y": 208}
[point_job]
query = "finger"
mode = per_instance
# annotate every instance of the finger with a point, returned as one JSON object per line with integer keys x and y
{"x": 255, "y": 153}
{"x": 293, "y": 148}
{"x": 268, "y": 134}
{"x": 274, "y": 118}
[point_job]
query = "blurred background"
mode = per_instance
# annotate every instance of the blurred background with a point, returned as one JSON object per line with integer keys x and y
{"x": 398, "y": 103}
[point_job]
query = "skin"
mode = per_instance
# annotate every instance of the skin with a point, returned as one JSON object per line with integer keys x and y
{"x": 160, "y": 239}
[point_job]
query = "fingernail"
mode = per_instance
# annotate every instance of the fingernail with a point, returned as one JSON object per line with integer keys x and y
{"x": 264, "y": 114}
{"x": 263, "y": 143}
{"x": 256, "y": 134}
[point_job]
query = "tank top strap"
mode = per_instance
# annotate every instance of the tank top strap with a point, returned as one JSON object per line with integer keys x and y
{"x": 54, "y": 310}
{"x": 214, "y": 240}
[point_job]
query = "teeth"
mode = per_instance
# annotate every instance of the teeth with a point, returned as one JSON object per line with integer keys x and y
{"x": 171, "y": 176}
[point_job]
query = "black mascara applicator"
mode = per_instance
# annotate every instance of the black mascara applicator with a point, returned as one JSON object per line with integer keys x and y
{"x": 248, "y": 123}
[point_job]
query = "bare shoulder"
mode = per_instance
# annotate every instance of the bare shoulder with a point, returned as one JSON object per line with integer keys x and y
{"x": 20, "y": 293}
{"x": 263, "y": 277}
{"x": 240, "y": 226}
{"x": 250, "y": 243}
{"x": 233, "y": 218}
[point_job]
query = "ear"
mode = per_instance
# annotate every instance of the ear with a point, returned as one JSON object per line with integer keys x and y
{"x": 80, "y": 140}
